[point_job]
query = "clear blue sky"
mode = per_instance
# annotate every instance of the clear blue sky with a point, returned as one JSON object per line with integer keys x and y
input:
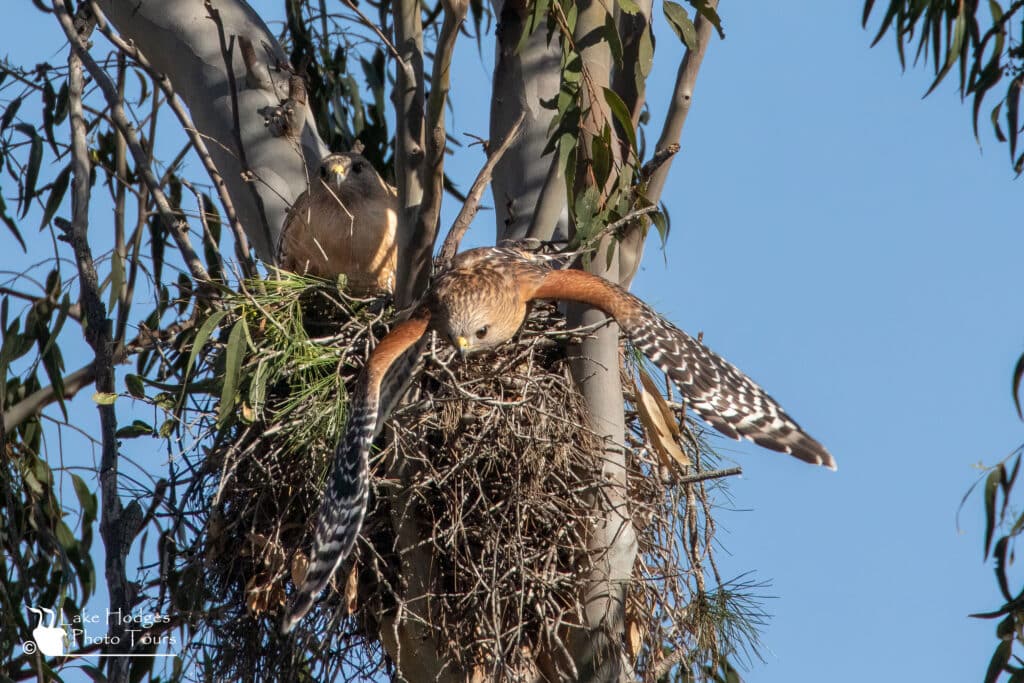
{"x": 851, "y": 247}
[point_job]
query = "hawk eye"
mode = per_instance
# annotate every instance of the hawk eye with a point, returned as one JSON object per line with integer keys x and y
{"x": 357, "y": 167}
{"x": 482, "y": 332}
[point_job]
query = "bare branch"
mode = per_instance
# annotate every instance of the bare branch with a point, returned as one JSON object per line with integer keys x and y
{"x": 175, "y": 103}
{"x": 427, "y": 219}
{"x": 472, "y": 204}
{"x": 37, "y": 400}
{"x": 631, "y": 247}
{"x": 98, "y": 334}
{"x": 682, "y": 98}
{"x": 408, "y": 97}
{"x": 175, "y": 226}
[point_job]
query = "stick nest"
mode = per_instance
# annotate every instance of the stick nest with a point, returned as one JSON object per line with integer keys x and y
{"x": 486, "y": 486}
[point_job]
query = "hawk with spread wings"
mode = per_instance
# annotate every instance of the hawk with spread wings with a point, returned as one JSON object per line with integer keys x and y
{"x": 479, "y": 302}
{"x": 345, "y": 223}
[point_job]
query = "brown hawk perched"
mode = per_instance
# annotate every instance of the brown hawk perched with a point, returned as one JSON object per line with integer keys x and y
{"x": 345, "y": 223}
{"x": 479, "y": 302}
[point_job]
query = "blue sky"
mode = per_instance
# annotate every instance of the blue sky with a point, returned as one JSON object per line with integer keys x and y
{"x": 852, "y": 248}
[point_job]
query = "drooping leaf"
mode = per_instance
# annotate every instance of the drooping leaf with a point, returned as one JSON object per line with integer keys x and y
{"x": 35, "y": 161}
{"x": 959, "y": 28}
{"x": 86, "y": 498}
{"x": 621, "y": 114}
{"x": 234, "y": 355}
{"x": 10, "y": 113}
{"x": 1012, "y": 105}
{"x": 9, "y": 222}
{"x": 991, "y": 487}
{"x": 610, "y": 33}
{"x": 49, "y": 109}
{"x": 644, "y": 58}
{"x": 994, "y": 116}
{"x": 868, "y": 4}
{"x": 1000, "y": 658}
{"x": 202, "y": 335}
{"x": 586, "y": 207}
{"x": 659, "y": 423}
{"x": 661, "y": 223}
{"x": 117, "y": 277}
{"x": 57, "y": 191}
{"x": 680, "y": 22}
{"x": 706, "y": 10}
{"x": 601, "y": 157}
{"x": 135, "y": 386}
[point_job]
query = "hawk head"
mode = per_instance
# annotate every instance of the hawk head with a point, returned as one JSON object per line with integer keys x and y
{"x": 475, "y": 308}
{"x": 350, "y": 173}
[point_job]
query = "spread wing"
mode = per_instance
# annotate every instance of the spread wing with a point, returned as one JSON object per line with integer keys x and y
{"x": 719, "y": 392}
{"x": 381, "y": 384}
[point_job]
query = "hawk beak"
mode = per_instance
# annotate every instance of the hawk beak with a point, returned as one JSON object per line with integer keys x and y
{"x": 336, "y": 174}
{"x": 462, "y": 346}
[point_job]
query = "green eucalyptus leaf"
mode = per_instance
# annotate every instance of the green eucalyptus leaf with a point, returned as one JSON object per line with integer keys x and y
{"x": 235, "y": 354}
{"x": 86, "y": 498}
{"x": 35, "y": 161}
{"x": 680, "y": 22}
{"x": 991, "y": 487}
{"x": 136, "y": 387}
{"x": 621, "y": 114}
{"x": 1000, "y": 658}
{"x": 706, "y": 10}
{"x": 57, "y": 191}
{"x": 136, "y": 429}
{"x": 202, "y": 335}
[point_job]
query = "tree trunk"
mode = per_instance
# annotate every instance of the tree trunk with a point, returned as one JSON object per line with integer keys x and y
{"x": 522, "y": 78}
{"x": 181, "y": 41}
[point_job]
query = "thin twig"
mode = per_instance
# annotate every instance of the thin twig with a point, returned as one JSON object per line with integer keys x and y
{"x": 428, "y": 216}
{"x": 176, "y": 227}
{"x": 227, "y": 50}
{"x": 365, "y": 20}
{"x": 476, "y": 192}
{"x": 241, "y": 241}
{"x": 679, "y": 107}
{"x": 116, "y": 537}
{"x": 713, "y": 474}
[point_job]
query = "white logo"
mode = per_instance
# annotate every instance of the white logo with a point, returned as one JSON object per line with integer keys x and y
{"x": 50, "y": 639}
{"x": 89, "y": 630}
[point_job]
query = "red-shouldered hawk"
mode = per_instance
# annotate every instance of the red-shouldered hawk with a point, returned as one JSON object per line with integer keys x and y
{"x": 479, "y": 302}
{"x": 345, "y": 223}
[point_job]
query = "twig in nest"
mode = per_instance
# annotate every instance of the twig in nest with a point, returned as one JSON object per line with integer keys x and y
{"x": 713, "y": 474}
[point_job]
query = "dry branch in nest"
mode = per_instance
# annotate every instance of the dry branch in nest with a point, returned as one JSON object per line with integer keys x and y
{"x": 485, "y": 488}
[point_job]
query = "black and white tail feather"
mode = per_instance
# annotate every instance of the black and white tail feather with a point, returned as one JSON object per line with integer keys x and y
{"x": 342, "y": 510}
{"x": 719, "y": 392}
{"x": 348, "y": 494}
